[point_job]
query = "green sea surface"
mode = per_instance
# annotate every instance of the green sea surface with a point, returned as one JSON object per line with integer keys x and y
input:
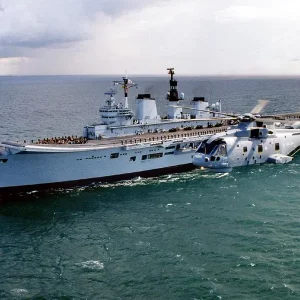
{"x": 195, "y": 235}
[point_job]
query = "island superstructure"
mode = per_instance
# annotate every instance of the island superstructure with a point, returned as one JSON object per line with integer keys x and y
{"x": 122, "y": 145}
{"x": 117, "y": 119}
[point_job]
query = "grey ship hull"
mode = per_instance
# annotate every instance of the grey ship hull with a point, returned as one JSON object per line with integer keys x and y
{"x": 88, "y": 181}
{"x": 38, "y": 167}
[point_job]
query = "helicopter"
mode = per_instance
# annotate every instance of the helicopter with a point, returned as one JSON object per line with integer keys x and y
{"x": 253, "y": 140}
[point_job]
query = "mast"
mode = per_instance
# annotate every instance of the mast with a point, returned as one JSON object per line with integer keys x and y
{"x": 126, "y": 84}
{"x": 173, "y": 93}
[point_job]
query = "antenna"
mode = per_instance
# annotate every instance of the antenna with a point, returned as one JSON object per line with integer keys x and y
{"x": 171, "y": 72}
{"x": 111, "y": 92}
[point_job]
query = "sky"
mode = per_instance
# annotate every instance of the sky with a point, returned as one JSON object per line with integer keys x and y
{"x": 197, "y": 37}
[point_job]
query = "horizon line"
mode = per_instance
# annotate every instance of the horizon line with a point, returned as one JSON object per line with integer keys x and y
{"x": 158, "y": 75}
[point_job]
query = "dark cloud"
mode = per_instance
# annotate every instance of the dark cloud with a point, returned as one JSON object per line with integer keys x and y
{"x": 40, "y": 24}
{"x": 7, "y": 52}
{"x": 45, "y": 41}
{"x": 118, "y": 7}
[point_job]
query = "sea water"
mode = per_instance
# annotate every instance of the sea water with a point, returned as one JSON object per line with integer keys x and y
{"x": 196, "y": 235}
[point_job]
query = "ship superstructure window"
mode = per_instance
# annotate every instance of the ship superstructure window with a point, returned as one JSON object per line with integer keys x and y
{"x": 114, "y": 155}
{"x": 3, "y": 161}
{"x": 260, "y": 148}
{"x": 245, "y": 149}
{"x": 133, "y": 158}
{"x": 277, "y": 147}
{"x": 144, "y": 157}
{"x": 155, "y": 155}
{"x": 170, "y": 147}
{"x": 169, "y": 153}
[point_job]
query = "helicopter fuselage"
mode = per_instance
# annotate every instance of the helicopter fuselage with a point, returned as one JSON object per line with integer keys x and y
{"x": 246, "y": 145}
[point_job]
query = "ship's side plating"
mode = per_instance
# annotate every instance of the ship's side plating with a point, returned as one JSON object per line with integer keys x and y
{"x": 46, "y": 166}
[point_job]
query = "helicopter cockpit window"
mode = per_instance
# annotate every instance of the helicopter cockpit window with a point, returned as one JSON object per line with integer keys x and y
{"x": 202, "y": 148}
{"x": 222, "y": 150}
{"x": 217, "y": 147}
{"x": 254, "y": 133}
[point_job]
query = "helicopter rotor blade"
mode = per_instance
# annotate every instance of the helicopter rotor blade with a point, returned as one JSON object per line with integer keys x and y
{"x": 259, "y": 107}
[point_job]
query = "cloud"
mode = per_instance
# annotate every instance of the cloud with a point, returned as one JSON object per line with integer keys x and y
{"x": 29, "y": 28}
{"x": 13, "y": 60}
{"x": 41, "y": 23}
{"x": 278, "y": 11}
{"x": 116, "y": 8}
{"x": 47, "y": 26}
{"x": 51, "y": 23}
{"x": 41, "y": 40}
{"x": 108, "y": 37}
{"x": 10, "y": 65}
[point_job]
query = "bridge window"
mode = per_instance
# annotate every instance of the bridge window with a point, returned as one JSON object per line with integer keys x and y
{"x": 260, "y": 148}
{"x": 133, "y": 158}
{"x": 277, "y": 147}
{"x": 144, "y": 157}
{"x": 114, "y": 155}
